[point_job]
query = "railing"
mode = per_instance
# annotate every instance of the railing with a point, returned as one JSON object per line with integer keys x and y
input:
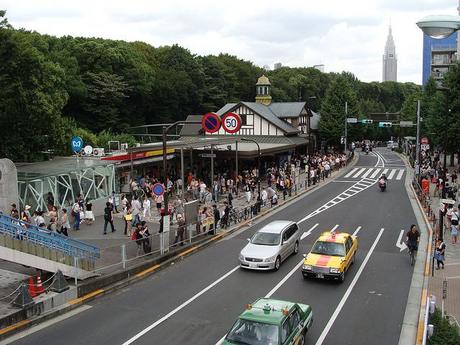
{"x": 126, "y": 255}
{"x": 33, "y": 234}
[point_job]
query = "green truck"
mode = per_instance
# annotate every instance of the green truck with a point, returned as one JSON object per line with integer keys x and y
{"x": 271, "y": 322}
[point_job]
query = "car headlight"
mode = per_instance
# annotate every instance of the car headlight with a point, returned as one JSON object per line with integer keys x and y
{"x": 241, "y": 257}
{"x": 307, "y": 267}
{"x": 270, "y": 259}
{"x": 334, "y": 270}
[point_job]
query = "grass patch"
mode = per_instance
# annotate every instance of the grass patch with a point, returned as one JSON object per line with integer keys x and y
{"x": 444, "y": 333}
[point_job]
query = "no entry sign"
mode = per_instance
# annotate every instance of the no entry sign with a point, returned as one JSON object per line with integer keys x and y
{"x": 210, "y": 122}
{"x": 231, "y": 122}
{"x": 158, "y": 189}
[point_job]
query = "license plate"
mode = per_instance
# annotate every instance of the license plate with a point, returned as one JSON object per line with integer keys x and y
{"x": 319, "y": 275}
{"x": 253, "y": 265}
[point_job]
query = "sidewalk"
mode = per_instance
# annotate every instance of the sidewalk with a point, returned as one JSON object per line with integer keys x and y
{"x": 451, "y": 273}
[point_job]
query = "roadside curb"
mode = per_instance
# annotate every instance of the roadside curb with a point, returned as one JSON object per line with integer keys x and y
{"x": 412, "y": 327}
{"x": 179, "y": 255}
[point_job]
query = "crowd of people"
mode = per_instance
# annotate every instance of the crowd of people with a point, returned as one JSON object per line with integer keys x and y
{"x": 445, "y": 183}
{"x": 142, "y": 206}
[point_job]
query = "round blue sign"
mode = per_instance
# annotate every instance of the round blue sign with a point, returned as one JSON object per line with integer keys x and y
{"x": 77, "y": 144}
{"x": 158, "y": 189}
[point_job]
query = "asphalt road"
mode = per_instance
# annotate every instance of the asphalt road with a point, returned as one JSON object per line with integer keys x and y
{"x": 196, "y": 300}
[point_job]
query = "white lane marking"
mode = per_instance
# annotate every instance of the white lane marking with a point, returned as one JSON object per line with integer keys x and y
{"x": 374, "y": 175}
{"x": 367, "y": 172}
{"x": 307, "y": 233}
{"x": 351, "y": 172}
{"x": 348, "y": 292}
{"x": 357, "y": 230}
{"x": 400, "y": 243}
{"x": 392, "y": 173}
{"x": 385, "y": 171}
{"x": 272, "y": 291}
{"x": 348, "y": 193}
{"x": 186, "y": 303}
{"x": 358, "y": 173}
{"x": 46, "y": 324}
{"x": 282, "y": 281}
{"x": 400, "y": 174}
{"x": 335, "y": 227}
{"x": 343, "y": 181}
{"x": 379, "y": 161}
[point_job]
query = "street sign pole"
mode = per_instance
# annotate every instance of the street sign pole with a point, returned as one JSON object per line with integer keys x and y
{"x": 212, "y": 167}
{"x": 346, "y": 116}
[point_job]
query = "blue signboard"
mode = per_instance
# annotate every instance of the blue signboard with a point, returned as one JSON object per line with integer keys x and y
{"x": 77, "y": 144}
{"x": 158, "y": 189}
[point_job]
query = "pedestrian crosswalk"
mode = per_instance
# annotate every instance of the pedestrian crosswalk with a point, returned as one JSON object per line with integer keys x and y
{"x": 372, "y": 173}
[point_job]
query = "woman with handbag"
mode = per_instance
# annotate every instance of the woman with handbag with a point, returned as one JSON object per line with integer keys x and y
{"x": 454, "y": 225}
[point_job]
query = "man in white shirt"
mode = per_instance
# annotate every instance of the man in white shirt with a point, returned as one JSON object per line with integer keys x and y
{"x": 202, "y": 187}
{"x": 136, "y": 206}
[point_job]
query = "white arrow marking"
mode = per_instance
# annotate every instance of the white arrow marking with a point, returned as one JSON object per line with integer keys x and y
{"x": 399, "y": 243}
{"x": 308, "y": 233}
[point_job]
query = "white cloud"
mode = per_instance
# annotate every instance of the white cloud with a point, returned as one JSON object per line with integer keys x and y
{"x": 343, "y": 35}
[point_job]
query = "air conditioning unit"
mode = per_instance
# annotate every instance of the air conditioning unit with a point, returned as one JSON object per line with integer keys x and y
{"x": 98, "y": 151}
{"x": 124, "y": 146}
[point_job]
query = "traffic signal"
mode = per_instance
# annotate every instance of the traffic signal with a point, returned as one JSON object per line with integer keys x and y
{"x": 385, "y": 124}
{"x": 366, "y": 121}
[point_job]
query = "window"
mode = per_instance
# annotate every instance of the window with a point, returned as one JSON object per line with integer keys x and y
{"x": 294, "y": 319}
{"x": 347, "y": 245}
{"x": 289, "y": 232}
{"x": 285, "y": 331}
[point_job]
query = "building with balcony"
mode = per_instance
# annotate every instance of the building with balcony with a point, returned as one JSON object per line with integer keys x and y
{"x": 438, "y": 56}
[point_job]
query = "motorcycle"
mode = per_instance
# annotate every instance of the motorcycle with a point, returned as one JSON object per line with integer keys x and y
{"x": 382, "y": 185}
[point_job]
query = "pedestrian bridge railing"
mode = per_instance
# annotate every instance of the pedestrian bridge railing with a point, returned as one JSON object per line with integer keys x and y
{"x": 18, "y": 235}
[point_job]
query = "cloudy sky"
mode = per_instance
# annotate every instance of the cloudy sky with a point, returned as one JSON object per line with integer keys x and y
{"x": 344, "y": 35}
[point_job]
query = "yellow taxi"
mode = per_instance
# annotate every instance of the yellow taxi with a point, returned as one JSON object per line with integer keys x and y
{"x": 331, "y": 256}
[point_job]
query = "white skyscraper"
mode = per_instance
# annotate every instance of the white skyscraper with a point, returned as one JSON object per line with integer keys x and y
{"x": 390, "y": 62}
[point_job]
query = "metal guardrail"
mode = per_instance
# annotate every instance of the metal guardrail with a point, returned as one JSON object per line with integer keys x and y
{"x": 27, "y": 232}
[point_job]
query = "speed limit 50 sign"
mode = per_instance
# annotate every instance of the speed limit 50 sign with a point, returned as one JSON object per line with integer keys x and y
{"x": 231, "y": 122}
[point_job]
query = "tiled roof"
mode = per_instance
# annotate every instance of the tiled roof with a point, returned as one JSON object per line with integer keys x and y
{"x": 287, "y": 109}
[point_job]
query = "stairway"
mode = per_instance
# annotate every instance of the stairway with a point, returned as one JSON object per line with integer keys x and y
{"x": 29, "y": 245}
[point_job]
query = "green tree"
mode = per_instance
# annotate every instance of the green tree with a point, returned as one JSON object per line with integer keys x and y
{"x": 332, "y": 122}
{"x": 106, "y": 94}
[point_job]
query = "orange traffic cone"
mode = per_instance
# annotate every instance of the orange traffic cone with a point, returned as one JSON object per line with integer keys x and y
{"x": 32, "y": 291}
{"x": 39, "y": 285}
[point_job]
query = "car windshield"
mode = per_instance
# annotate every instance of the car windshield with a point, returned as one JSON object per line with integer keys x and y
{"x": 253, "y": 333}
{"x": 266, "y": 239}
{"x": 328, "y": 248}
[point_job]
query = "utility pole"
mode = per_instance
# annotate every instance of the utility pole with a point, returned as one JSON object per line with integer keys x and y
{"x": 346, "y": 116}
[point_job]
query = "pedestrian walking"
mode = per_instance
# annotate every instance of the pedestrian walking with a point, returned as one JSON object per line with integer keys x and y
{"x": 454, "y": 225}
{"x": 216, "y": 214}
{"x": 89, "y": 215}
{"x": 108, "y": 217}
{"x": 113, "y": 202}
{"x": 146, "y": 207}
{"x": 145, "y": 237}
{"x": 65, "y": 224}
{"x": 76, "y": 215}
{"x": 247, "y": 193}
{"x": 137, "y": 236}
{"x": 136, "y": 210}
{"x": 180, "y": 230}
{"x": 14, "y": 213}
{"x": 159, "y": 200}
{"x": 440, "y": 253}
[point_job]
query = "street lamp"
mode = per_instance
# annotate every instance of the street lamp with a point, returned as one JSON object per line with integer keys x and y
{"x": 258, "y": 168}
{"x": 439, "y": 27}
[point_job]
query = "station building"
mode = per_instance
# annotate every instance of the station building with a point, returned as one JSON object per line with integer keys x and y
{"x": 281, "y": 129}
